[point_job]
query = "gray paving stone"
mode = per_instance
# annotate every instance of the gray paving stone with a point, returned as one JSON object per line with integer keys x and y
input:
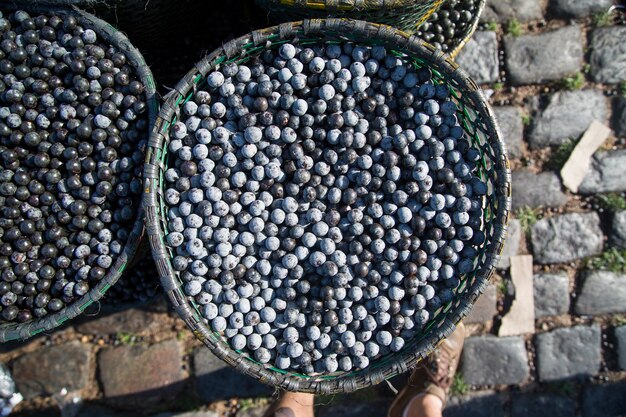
{"x": 489, "y": 360}
{"x": 48, "y": 370}
{"x": 134, "y": 374}
{"x": 479, "y": 57}
{"x": 485, "y": 307}
{"x": 566, "y": 237}
{"x": 510, "y": 120}
{"x": 511, "y": 245}
{"x": 578, "y": 8}
{"x": 566, "y": 116}
{"x": 608, "y": 54}
{"x": 476, "y": 404}
{"x": 607, "y": 173}
{"x": 505, "y": 10}
{"x": 620, "y": 335}
{"x": 215, "y": 380}
{"x": 205, "y": 413}
{"x": 132, "y": 320}
{"x": 569, "y": 352}
{"x": 361, "y": 409}
{"x": 536, "y": 190}
{"x": 551, "y": 294}
{"x": 619, "y": 116}
{"x": 606, "y": 400}
{"x": 539, "y": 405}
{"x": 603, "y": 292}
{"x": 92, "y": 410}
{"x": 530, "y": 58}
{"x": 618, "y": 229}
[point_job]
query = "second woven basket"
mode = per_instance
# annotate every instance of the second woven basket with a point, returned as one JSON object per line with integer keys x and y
{"x": 479, "y": 125}
{"x": 407, "y": 15}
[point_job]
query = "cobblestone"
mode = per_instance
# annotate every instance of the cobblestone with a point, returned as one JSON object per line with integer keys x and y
{"x": 530, "y": 58}
{"x": 536, "y": 190}
{"x": 369, "y": 408}
{"x": 533, "y": 405}
{"x": 215, "y": 380}
{"x": 566, "y": 116}
{"x": 190, "y": 414}
{"x": 510, "y": 121}
{"x": 485, "y": 307}
{"x": 551, "y": 294}
{"x": 489, "y": 360}
{"x": 133, "y": 320}
{"x": 479, "y": 57}
{"x": 47, "y": 371}
{"x": 566, "y": 237}
{"x": 505, "y": 10}
{"x": 602, "y": 292}
{"x": 607, "y": 173}
{"x": 578, "y": 8}
{"x": 569, "y": 352}
{"x": 604, "y": 400}
{"x": 608, "y": 54}
{"x": 511, "y": 245}
{"x": 620, "y": 335}
{"x": 91, "y": 410}
{"x": 618, "y": 229}
{"x": 139, "y": 373}
{"x": 478, "y": 404}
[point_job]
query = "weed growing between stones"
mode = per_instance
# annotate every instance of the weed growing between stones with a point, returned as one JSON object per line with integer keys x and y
{"x": 573, "y": 82}
{"x": 612, "y": 202}
{"x": 513, "y": 28}
{"x": 459, "y": 386}
{"x": 527, "y": 217}
{"x": 602, "y": 19}
{"x": 560, "y": 155}
{"x": 612, "y": 259}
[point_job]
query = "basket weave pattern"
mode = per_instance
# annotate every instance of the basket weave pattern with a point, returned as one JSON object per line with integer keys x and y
{"x": 407, "y": 15}
{"x": 477, "y": 120}
{"x": 133, "y": 246}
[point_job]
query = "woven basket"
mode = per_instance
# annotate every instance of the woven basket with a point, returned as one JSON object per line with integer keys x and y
{"x": 475, "y": 116}
{"x": 136, "y": 242}
{"x": 461, "y": 36}
{"x": 407, "y": 15}
{"x": 143, "y": 21}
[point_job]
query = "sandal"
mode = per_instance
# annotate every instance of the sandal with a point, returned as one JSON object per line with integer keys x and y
{"x": 434, "y": 375}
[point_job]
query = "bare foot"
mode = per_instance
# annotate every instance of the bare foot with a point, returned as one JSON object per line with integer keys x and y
{"x": 292, "y": 404}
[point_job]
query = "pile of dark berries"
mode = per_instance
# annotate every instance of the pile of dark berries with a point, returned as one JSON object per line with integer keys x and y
{"x": 138, "y": 284}
{"x": 72, "y": 120}
{"x": 323, "y": 204}
{"x": 448, "y": 26}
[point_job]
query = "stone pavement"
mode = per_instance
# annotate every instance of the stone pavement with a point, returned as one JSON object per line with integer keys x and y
{"x": 145, "y": 362}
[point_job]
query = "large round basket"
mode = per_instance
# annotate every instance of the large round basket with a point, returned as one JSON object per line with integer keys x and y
{"x": 135, "y": 244}
{"x": 453, "y": 43}
{"x": 480, "y": 127}
{"x": 407, "y": 15}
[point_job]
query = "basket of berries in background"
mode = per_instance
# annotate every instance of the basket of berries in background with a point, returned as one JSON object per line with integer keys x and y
{"x": 324, "y": 202}
{"x": 76, "y": 108}
{"x": 450, "y": 27}
{"x": 406, "y": 15}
